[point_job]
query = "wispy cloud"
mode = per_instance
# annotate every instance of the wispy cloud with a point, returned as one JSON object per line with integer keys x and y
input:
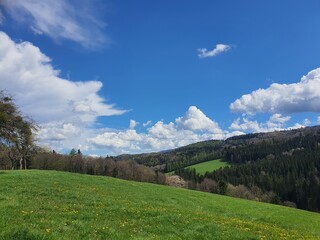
{"x": 133, "y": 124}
{"x": 149, "y": 122}
{"x": 60, "y": 19}
{"x": 220, "y": 48}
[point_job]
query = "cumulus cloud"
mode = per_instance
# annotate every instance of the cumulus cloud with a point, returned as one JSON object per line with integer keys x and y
{"x": 303, "y": 96}
{"x": 58, "y": 131}
{"x": 194, "y": 119}
{"x": 60, "y": 19}
{"x": 276, "y": 122}
{"x": 128, "y": 139}
{"x": 63, "y": 136}
{"x": 220, "y": 48}
{"x": 194, "y": 126}
{"x": 27, "y": 74}
{"x": 245, "y": 125}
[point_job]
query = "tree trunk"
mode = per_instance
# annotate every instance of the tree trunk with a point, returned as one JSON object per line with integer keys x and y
{"x": 25, "y": 163}
{"x": 21, "y": 163}
{"x": 12, "y": 160}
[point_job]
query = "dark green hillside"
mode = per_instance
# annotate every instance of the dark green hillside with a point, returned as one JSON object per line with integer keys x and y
{"x": 181, "y": 157}
{"x": 57, "y": 205}
{"x": 252, "y": 147}
{"x": 238, "y": 149}
{"x": 281, "y": 167}
{"x": 292, "y": 177}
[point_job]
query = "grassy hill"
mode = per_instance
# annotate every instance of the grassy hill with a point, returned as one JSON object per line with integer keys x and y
{"x": 209, "y": 166}
{"x": 57, "y": 205}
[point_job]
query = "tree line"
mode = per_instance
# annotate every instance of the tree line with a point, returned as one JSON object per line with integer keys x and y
{"x": 78, "y": 163}
{"x": 171, "y": 160}
{"x": 19, "y": 151}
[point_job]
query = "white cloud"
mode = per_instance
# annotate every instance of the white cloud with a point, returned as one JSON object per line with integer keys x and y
{"x": 118, "y": 140}
{"x": 296, "y": 126}
{"x": 163, "y": 131}
{"x": 276, "y": 122}
{"x": 160, "y": 136}
{"x": 133, "y": 124}
{"x": 306, "y": 122}
{"x": 194, "y": 126}
{"x": 65, "y": 110}
{"x": 245, "y": 125}
{"x": 279, "y": 118}
{"x": 303, "y": 96}
{"x": 318, "y": 120}
{"x": 60, "y": 19}
{"x": 146, "y": 124}
{"x": 220, "y": 48}
{"x": 58, "y": 131}
{"x": 28, "y": 75}
{"x": 194, "y": 119}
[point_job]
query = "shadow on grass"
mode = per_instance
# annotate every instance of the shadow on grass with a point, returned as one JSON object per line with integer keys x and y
{"x": 21, "y": 234}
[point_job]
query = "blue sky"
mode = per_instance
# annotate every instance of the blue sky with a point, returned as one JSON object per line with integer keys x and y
{"x": 113, "y": 77}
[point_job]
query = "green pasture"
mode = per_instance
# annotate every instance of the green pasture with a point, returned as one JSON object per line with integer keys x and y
{"x": 209, "y": 166}
{"x": 57, "y": 205}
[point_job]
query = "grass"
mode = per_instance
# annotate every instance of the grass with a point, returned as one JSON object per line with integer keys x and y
{"x": 209, "y": 166}
{"x": 57, "y": 205}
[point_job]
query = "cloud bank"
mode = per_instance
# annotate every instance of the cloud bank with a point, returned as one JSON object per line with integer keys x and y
{"x": 220, "y": 48}
{"x": 303, "y": 96}
{"x": 194, "y": 126}
{"x": 276, "y": 122}
{"x": 59, "y": 19}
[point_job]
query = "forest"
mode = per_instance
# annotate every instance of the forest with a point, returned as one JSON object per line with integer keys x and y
{"x": 282, "y": 169}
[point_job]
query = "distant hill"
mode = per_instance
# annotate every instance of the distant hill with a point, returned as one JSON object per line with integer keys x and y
{"x": 58, "y": 205}
{"x": 264, "y": 143}
{"x": 285, "y": 165}
{"x": 173, "y": 159}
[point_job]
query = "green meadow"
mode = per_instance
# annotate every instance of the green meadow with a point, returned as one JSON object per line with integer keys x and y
{"x": 209, "y": 166}
{"x": 58, "y": 205}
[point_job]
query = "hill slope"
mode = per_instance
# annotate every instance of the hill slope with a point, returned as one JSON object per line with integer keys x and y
{"x": 209, "y": 166}
{"x": 56, "y": 205}
{"x": 238, "y": 149}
